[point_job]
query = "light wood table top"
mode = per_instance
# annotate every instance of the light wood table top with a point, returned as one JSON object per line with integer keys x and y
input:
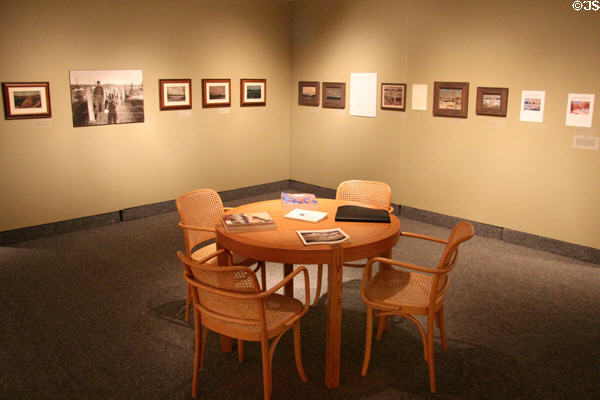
{"x": 283, "y": 245}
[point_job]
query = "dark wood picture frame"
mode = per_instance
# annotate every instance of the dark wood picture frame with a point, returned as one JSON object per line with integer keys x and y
{"x": 216, "y": 93}
{"x": 488, "y": 102}
{"x": 26, "y": 100}
{"x": 253, "y": 92}
{"x": 308, "y": 93}
{"x": 175, "y": 94}
{"x": 451, "y": 99}
{"x": 393, "y": 96}
{"x": 334, "y": 94}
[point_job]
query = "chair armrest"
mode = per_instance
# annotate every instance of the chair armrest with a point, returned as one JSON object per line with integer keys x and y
{"x": 414, "y": 267}
{"x": 208, "y": 257}
{"x": 425, "y": 237}
{"x": 228, "y": 208}
{"x": 196, "y": 228}
{"x": 285, "y": 280}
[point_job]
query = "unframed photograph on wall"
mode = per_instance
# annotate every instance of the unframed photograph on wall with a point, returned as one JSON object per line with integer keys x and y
{"x": 580, "y": 110}
{"x": 532, "y": 105}
{"x": 102, "y": 97}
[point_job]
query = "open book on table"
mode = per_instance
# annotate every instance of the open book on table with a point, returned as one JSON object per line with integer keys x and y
{"x": 322, "y": 236}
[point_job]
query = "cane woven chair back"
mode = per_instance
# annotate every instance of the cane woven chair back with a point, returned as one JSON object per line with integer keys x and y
{"x": 371, "y": 193}
{"x": 407, "y": 290}
{"x": 199, "y": 208}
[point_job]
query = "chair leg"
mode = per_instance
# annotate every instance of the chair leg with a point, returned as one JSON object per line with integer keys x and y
{"x": 298, "y": 352}
{"x": 266, "y": 366}
{"x": 381, "y": 326}
{"x": 188, "y": 301}
{"x": 319, "y": 281}
{"x": 440, "y": 322}
{"x": 199, "y": 345}
{"x": 240, "y": 346}
{"x": 368, "y": 341}
{"x": 430, "y": 358}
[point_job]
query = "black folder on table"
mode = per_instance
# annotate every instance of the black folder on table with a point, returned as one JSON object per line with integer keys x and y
{"x": 361, "y": 214}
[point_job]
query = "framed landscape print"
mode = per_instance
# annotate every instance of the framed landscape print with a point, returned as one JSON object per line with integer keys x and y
{"x": 26, "y": 100}
{"x": 175, "y": 94}
{"x": 253, "y": 92}
{"x": 101, "y": 97}
{"x": 491, "y": 101}
{"x": 308, "y": 93}
{"x": 393, "y": 96}
{"x": 334, "y": 94}
{"x": 451, "y": 99}
{"x": 216, "y": 93}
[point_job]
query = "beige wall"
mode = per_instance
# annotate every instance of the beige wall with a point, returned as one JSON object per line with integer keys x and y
{"x": 50, "y": 171}
{"x": 501, "y": 171}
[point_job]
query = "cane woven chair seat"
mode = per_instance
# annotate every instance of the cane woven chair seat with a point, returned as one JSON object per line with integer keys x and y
{"x": 368, "y": 193}
{"x": 401, "y": 290}
{"x": 407, "y": 290}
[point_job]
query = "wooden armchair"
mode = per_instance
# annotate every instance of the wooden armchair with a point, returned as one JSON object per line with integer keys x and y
{"x": 370, "y": 194}
{"x": 412, "y": 290}
{"x": 228, "y": 300}
{"x": 199, "y": 211}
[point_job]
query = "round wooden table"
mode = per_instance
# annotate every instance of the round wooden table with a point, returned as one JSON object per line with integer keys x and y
{"x": 283, "y": 245}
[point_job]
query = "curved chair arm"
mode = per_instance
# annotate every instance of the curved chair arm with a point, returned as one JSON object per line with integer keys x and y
{"x": 420, "y": 268}
{"x": 208, "y": 257}
{"x": 425, "y": 237}
{"x": 228, "y": 208}
{"x": 197, "y": 228}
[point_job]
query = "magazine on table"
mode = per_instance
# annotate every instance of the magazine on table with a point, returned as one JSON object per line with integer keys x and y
{"x": 322, "y": 236}
{"x": 306, "y": 215}
{"x": 248, "y": 221}
{"x": 298, "y": 198}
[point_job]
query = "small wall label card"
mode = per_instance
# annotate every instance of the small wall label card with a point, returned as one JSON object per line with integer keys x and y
{"x": 580, "y": 110}
{"x": 532, "y": 105}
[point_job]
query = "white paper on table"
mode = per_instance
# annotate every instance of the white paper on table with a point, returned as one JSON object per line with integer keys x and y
{"x": 580, "y": 110}
{"x": 363, "y": 94}
{"x": 532, "y": 105}
{"x": 419, "y": 97}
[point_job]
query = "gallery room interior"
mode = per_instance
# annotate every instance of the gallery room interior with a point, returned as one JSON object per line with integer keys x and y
{"x": 88, "y": 227}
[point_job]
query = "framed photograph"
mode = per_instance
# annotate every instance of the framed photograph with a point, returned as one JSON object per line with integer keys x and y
{"x": 451, "y": 99}
{"x": 101, "y": 97}
{"x": 491, "y": 101}
{"x": 334, "y": 94}
{"x": 253, "y": 92}
{"x": 26, "y": 100}
{"x": 308, "y": 93}
{"x": 393, "y": 96}
{"x": 216, "y": 93}
{"x": 175, "y": 94}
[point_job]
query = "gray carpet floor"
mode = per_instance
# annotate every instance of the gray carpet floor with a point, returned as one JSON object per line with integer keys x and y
{"x": 96, "y": 314}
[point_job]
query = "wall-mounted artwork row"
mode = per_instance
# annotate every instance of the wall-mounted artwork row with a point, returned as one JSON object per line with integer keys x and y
{"x": 101, "y": 97}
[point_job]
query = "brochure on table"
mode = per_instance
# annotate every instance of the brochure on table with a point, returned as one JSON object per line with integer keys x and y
{"x": 322, "y": 236}
{"x": 306, "y": 215}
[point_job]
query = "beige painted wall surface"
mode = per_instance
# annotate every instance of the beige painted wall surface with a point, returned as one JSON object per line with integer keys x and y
{"x": 50, "y": 171}
{"x": 500, "y": 171}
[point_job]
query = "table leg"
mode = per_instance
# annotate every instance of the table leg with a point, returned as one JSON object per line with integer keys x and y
{"x": 288, "y": 289}
{"x": 334, "y": 318}
{"x": 226, "y": 342}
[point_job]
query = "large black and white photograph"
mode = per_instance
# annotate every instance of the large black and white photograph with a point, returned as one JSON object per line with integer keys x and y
{"x": 102, "y": 97}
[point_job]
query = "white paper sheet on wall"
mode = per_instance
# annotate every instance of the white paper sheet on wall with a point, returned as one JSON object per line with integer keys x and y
{"x": 363, "y": 94}
{"x": 580, "y": 110}
{"x": 419, "y": 97}
{"x": 532, "y": 105}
